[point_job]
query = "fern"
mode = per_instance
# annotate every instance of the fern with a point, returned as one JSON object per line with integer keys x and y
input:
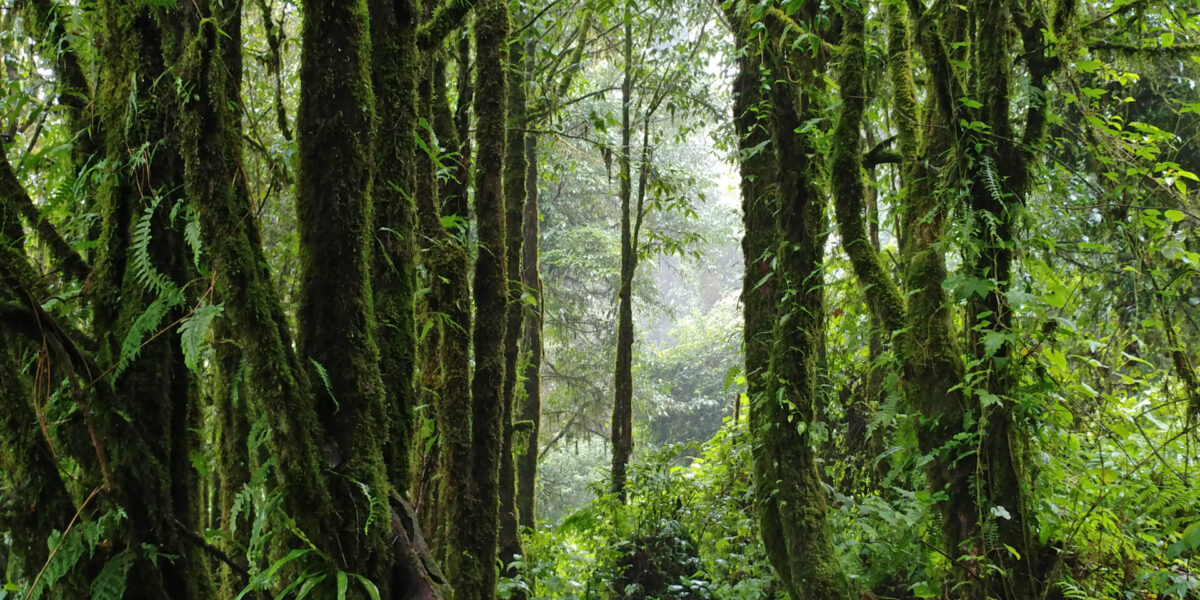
{"x": 191, "y": 234}
{"x": 324, "y": 375}
{"x": 143, "y": 326}
{"x": 377, "y": 507}
{"x": 64, "y": 194}
{"x": 110, "y": 583}
{"x": 145, "y": 272}
{"x": 193, "y": 332}
{"x": 991, "y": 178}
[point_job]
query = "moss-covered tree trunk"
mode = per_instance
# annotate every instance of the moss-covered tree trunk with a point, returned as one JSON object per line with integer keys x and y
{"x": 277, "y": 387}
{"x": 432, "y": 237}
{"x": 336, "y": 126}
{"x": 516, "y": 167}
{"x": 394, "y": 68}
{"x": 530, "y": 412}
{"x": 453, "y": 291}
{"x": 38, "y": 502}
{"x": 621, "y": 426}
{"x": 450, "y": 287}
{"x": 139, "y": 285}
{"x": 974, "y": 475}
{"x": 784, "y": 307}
{"x": 475, "y": 526}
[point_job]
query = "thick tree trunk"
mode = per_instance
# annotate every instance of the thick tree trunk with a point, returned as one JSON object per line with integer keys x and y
{"x": 138, "y": 286}
{"x": 394, "y": 69}
{"x": 784, "y": 344}
{"x": 336, "y": 316}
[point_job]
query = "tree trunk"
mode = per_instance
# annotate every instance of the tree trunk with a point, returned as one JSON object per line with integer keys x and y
{"x": 530, "y": 414}
{"x": 784, "y": 344}
{"x": 515, "y": 197}
{"x": 139, "y": 285}
{"x": 395, "y": 69}
{"x": 472, "y": 558}
{"x": 622, "y": 414}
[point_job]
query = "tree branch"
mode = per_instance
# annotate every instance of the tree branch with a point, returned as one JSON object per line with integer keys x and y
{"x": 445, "y": 19}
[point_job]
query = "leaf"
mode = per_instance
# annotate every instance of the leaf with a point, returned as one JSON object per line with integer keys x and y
{"x": 1056, "y": 294}
{"x": 342, "y": 585}
{"x": 969, "y": 103}
{"x": 324, "y": 375}
{"x": 992, "y": 341}
{"x": 367, "y": 585}
{"x": 1173, "y": 215}
{"x": 110, "y": 583}
{"x": 141, "y": 329}
{"x": 193, "y": 331}
{"x": 309, "y": 584}
{"x": 1190, "y": 540}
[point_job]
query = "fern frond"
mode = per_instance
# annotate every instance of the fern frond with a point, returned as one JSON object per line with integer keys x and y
{"x": 193, "y": 333}
{"x": 110, "y": 583}
{"x": 142, "y": 327}
{"x": 145, "y": 272}
{"x": 991, "y": 178}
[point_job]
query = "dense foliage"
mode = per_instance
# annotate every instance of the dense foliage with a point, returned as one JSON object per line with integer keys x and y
{"x": 542, "y": 299}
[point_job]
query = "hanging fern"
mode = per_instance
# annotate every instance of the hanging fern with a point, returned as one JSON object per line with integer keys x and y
{"x": 142, "y": 328}
{"x": 377, "y": 506}
{"x": 110, "y": 583}
{"x": 193, "y": 334}
{"x": 145, "y": 272}
{"x": 991, "y": 178}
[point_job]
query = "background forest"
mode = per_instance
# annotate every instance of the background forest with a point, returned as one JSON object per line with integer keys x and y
{"x": 807, "y": 299}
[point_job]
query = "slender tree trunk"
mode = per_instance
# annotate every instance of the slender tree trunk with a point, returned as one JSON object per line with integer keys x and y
{"x": 530, "y": 413}
{"x": 622, "y": 414}
{"x": 515, "y": 197}
{"x": 451, "y": 286}
{"x": 472, "y": 561}
{"x": 432, "y": 237}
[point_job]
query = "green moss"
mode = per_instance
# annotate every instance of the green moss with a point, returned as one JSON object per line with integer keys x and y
{"x": 515, "y": 194}
{"x": 394, "y": 75}
{"x": 474, "y": 529}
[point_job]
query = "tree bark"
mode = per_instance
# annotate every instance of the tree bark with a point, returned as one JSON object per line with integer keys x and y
{"x": 622, "y": 413}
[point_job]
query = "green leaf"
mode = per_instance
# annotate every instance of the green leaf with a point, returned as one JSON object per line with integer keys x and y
{"x": 324, "y": 375}
{"x": 992, "y": 341}
{"x": 969, "y": 103}
{"x": 1174, "y": 215}
{"x": 1189, "y": 541}
{"x": 367, "y": 585}
{"x": 1056, "y": 294}
{"x": 110, "y": 583}
{"x": 343, "y": 584}
{"x": 194, "y": 330}
{"x": 309, "y": 585}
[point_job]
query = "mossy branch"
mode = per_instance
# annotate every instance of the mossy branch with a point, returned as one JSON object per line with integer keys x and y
{"x": 13, "y": 194}
{"x": 446, "y": 17}
{"x": 882, "y": 294}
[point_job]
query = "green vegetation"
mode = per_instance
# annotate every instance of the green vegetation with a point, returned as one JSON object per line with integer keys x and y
{"x": 577, "y": 299}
